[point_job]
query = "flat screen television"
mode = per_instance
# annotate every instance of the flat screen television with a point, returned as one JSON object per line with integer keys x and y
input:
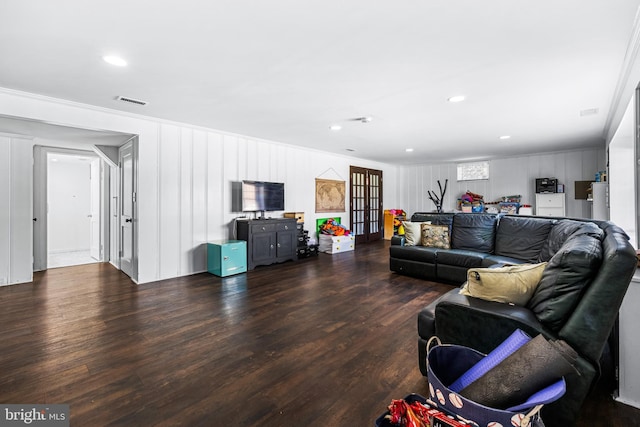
{"x": 261, "y": 196}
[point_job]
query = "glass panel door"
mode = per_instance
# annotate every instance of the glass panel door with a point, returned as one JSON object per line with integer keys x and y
{"x": 366, "y": 203}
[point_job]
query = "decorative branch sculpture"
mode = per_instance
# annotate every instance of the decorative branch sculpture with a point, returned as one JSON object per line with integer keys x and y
{"x": 438, "y": 200}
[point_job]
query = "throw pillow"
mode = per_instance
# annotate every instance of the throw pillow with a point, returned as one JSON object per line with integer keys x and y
{"x": 413, "y": 232}
{"x": 512, "y": 284}
{"x": 435, "y": 236}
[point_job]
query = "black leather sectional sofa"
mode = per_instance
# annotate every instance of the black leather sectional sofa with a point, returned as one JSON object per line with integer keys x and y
{"x": 477, "y": 240}
{"x": 590, "y": 266}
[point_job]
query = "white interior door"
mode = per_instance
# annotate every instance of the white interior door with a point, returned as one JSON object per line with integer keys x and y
{"x": 94, "y": 215}
{"x": 127, "y": 209}
{"x": 39, "y": 208}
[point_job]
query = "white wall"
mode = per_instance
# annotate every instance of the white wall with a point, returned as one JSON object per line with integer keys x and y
{"x": 195, "y": 169}
{"x": 185, "y": 174}
{"x": 5, "y": 209}
{"x": 69, "y": 203}
{"x": 507, "y": 176}
{"x": 621, "y": 126}
{"x": 16, "y": 234}
{"x": 629, "y": 370}
{"x": 622, "y": 182}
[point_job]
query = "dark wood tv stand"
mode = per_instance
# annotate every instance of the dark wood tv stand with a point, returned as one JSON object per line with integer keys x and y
{"x": 268, "y": 240}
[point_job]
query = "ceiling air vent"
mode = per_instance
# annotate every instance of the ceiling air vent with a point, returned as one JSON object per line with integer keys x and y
{"x": 588, "y": 112}
{"x": 131, "y": 100}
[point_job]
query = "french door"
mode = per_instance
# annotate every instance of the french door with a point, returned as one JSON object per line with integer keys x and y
{"x": 366, "y": 203}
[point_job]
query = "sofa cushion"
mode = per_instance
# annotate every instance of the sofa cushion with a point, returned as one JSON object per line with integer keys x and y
{"x": 460, "y": 316}
{"x": 522, "y": 237}
{"x": 435, "y": 236}
{"x": 564, "y": 229}
{"x": 413, "y": 233}
{"x": 460, "y": 258}
{"x": 453, "y": 264}
{"x": 433, "y": 218}
{"x": 492, "y": 260}
{"x": 475, "y": 232}
{"x": 414, "y": 253}
{"x": 590, "y": 322}
{"x": 512, "y": 284}
{"x": 567, "y": 275}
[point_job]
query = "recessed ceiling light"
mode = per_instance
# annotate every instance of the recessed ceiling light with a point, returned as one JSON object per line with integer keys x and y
{"x": 115, "y": 60}
{"x": 409, "y": 150}
{"x": 505, "y": 137}
{"x": 457, "y": 98}
{"x": 335, "y": 127}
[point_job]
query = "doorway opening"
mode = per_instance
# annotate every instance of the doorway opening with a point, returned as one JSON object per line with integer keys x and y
{"x": 70, "y": 206}
{"x": 73, "y": 209}
{"x": 44, "y": 137}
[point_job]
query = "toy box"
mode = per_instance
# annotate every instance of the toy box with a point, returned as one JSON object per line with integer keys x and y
{"x": 335, "y": 244}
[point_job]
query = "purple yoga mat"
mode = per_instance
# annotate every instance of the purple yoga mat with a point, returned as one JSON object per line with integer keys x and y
{"x": 544, "y": 396}
{"x": 516, "y": 340}
{"x": 534, "y": 366}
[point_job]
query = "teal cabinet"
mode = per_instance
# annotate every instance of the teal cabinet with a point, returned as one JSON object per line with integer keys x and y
{"x": 227, "y": 257}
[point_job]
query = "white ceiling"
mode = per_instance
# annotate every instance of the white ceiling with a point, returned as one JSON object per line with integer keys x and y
{"x": 285, "y": 70}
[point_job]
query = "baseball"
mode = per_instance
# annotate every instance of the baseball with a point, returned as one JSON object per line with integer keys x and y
{"x": 455, "y": 400}
{"x": 440, "y": 397}
{"x": 466, "y": 421}
{"x": 516, "y": 420}
{"x": 431, "y": 392}
{"x": 494, "y": 424}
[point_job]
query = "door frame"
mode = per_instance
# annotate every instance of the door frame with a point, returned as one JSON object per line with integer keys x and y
{"x": 367, "y": 236}
{"x": 102, "y": 233}
{"x": 636, "y": 141}
{"x": 40, "y": 201}
{"x": 133, "y": 274}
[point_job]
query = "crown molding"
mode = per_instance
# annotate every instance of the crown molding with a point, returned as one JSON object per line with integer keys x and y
{"x": 159, "y": 121}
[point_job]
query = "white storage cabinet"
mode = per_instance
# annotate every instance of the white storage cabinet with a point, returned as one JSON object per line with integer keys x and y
{"x": 550, "y": 204}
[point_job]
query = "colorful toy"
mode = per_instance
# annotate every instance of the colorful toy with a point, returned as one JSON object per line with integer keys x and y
{"x": 471, "y": 202}
{"x": 331, "y": 227}
{"x": 397, "y": 212}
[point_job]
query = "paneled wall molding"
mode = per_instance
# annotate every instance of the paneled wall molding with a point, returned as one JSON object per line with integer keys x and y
{"x": 5, "y": 210}
{"x": 509, "y": 176}
{"x": 16, "y": 211}
{"x": 184, "y": 179}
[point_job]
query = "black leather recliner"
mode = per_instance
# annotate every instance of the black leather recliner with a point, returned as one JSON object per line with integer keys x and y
{"x": 591, "y": 311}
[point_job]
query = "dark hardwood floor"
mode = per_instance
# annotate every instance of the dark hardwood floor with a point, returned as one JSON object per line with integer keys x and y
{"x": 325, "y": 341}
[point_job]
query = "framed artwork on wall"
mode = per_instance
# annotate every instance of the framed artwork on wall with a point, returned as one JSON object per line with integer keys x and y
{"x": 330, "y": 195}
